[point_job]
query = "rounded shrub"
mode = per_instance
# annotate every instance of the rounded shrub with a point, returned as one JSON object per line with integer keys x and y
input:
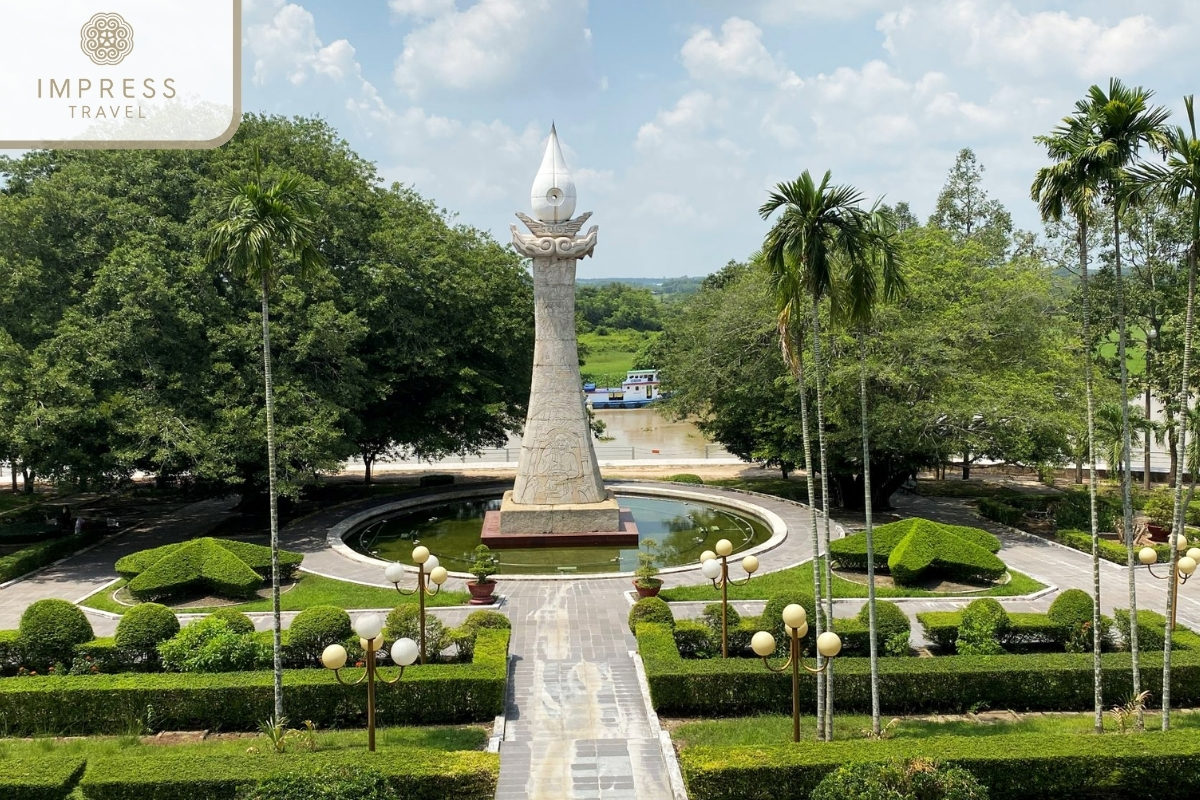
{"x": 711, "y": 616}
{"x": 695, "y": 640}
{"x": 984, "y": 623}
{"x": 892, "y": 627}
{"x": 316, "y": 628}
{"x": 143, "y": 628}
{"x": 685, "y": 477}
{"x": 487, "y": 619}
{"x": 209, "y": 645}
{"x": 236, "y": 620}
{"x": 49, "y": 631}
{"x": 918, "y": 778}
{"x": 650, "y": 609}
{"x": 404, "y": 621}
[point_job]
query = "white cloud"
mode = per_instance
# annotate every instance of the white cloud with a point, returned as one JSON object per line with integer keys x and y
{"x": 737, "y": 53}
{"x": 785, "y": 11}
{"x": 691, "y": 114}
{"x": 495, "y": 43}
{"x": 421, "y": 8}
{"x": 287, "y": 45}
{"x": 1010, "y": 45}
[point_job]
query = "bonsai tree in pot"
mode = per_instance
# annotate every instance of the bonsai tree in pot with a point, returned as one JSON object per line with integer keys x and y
{"x": 647, "y": 582}
{"x": 483, "y": 587}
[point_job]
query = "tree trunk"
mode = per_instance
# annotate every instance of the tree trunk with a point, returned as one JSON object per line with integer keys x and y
{"x": 367, "y": 459}
{"x": 28, "y": 479}
{"x": 871, "y": 629}
{"x": 966, "y": 470}
{"x": 828, "y": 567}
{"x": 1126, "y": 458}
{"x": 1097, "y": 638}
{"x": 1171, "y": 445}
{"x": 1146, "y": 443}
{"x": 793, "y": 354}
{"x": 1180, "y": 515}
{"x": 276, "y": 630}
{"x": 13, "y": 475}
{"x": 1079, "y": 470}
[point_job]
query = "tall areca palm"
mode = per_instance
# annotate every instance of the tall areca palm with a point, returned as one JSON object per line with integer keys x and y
{"x": 262, "y": 220}
{"x": 1071, "y": 186}
{"x": 876, "y": 273}
{"x": 820, "y": 224}
{"x": 1122, "y": 121}
{"x": 1179, "y": 181}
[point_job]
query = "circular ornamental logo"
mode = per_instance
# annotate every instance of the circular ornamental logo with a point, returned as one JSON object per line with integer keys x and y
{"x": 107, "y": 39}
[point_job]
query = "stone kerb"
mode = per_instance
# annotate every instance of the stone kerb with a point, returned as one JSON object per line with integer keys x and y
{"x": 335, "y": 539}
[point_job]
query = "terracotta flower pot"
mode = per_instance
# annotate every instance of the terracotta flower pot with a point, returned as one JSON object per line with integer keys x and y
{"x": 650, "y": 588}
{"x": 482, "y": 594}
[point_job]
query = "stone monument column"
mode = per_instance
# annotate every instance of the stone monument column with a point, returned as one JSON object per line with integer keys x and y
{"x": 558, "y": 487}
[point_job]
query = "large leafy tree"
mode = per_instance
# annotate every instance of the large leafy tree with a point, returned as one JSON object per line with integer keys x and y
{"x": 965, "y": 209}
{"x": 1179, "y": 181}
{"x": 263, "y": 223}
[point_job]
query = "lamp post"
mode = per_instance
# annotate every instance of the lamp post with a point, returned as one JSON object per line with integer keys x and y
{"x": 429, "y": 571}
{"x": 1183, "y": 568}
{"x": 1151, "y": 335}
{"x": 369, "y": 628}
{"x": 795, "y": 622}
{"x": 717, "y": 571}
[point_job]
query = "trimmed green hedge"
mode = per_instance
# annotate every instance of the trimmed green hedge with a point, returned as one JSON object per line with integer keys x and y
{"x": 911, "y": 548}
{"x": 999, "y": 511}
{"x": 941, "y": 629}
{"x": 1151, "y": 629}
{"x": 27, "y": 559}
{"x": 228, "y": 568}
{"x": 78, "y": 705}
{"x": 46, "y": 778}
{"x": 949, "y": 684}
{"x": 1109, "y": 550}
{"x": 418, "y": 774}
{"x": 1163, "y": 766}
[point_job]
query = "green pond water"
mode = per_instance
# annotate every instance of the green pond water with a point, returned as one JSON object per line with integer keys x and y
{"x": 451, "y": 531}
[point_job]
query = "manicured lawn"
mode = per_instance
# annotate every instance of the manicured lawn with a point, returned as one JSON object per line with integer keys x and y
{"x": 763, "y": 587}
{"x": 771, "y": 730}
{"x": 467, "y": 737}
{"x": 789, "y": 489}
{"x": 310, "y": 590}
{"x": 9, "y": 501}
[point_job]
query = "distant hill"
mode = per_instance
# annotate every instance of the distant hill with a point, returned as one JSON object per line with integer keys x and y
{"x": 662, "y": 288}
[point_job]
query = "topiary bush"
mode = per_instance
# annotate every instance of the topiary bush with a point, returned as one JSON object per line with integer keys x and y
{"x": 463, "y": 637}
{"x": 892, "y": 628}
{"x": 772, "y": 616}
{"x": 1071, "y": 613}
{"x": 918, "y": 779}
{"x": 984, "y": 622}
{"x": 209, "y": 645}
{"x": 685, "y": 477}
{"x": 314, "y": 629}
{"x": 711, "y": 616}
{"x": 143, "y": 628}
{"x": 696, "y": 640}
{"x": 404, "y": 621}
{"x": 220, "y": 566}
{"x": 1000, "y": 511}
{"x": 236, "y": 620}
{"x": 934, "y": 550}
{"x": 650, "y": 609}
{"x": 49, "y": 632}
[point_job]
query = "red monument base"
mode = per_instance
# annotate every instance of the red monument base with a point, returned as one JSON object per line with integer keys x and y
{"x": 625, "y": 536}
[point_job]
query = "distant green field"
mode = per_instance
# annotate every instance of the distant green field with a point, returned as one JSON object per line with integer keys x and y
{"x": 1135, "y": 353}
{"x": 610, "y": 357}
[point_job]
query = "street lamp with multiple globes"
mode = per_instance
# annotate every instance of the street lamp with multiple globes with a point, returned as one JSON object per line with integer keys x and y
{"x": 369, "y": 628}
{"x": 1184, "y": 568}
{"x": 429, "y": 571}
{"x": 795, "y": 623}
{"x": 717, "y": 571}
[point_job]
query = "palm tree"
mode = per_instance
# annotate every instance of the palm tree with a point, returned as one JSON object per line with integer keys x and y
{"x": 1121, "y": 121}
{"x": 1179, "y": 181}
{"x": 1069, "y": 186}
{"x": 857, "y": 297}
{"x": 820, "y": 225}
{"x": 261, "y": 221}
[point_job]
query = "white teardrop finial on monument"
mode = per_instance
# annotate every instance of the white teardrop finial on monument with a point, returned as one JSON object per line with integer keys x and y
{"x": 553, "y": 192}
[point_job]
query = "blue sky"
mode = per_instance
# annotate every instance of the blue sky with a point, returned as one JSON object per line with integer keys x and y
{"x": 676, "y": 116}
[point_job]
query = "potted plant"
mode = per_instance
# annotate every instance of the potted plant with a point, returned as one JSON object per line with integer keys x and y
{"x": 647, "y": 583}
{"x": 483, "y": 587}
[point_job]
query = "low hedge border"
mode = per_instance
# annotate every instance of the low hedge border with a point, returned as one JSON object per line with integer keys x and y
{"x": 949, "y": 684}
{"x": 1164, "y": 766}
{"x": 1109, "y": 550}
{"x": 36, "y": 556}
{"x": 238, "y": 701}
{"x": 46, "y": 778}
{"x": 418, "y": 774}
{"x": 941, "y": 630}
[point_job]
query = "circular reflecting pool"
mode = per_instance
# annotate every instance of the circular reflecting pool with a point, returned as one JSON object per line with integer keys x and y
{"x": 682, "y": 530}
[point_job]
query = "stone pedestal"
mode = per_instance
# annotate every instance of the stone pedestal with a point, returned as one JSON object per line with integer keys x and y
{"x": 558, "y": 487}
